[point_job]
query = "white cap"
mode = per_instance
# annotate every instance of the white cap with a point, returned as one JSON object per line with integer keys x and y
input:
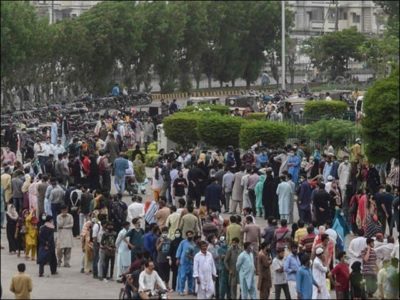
{"x": 319, "y": 251}
{"x": 330, "y": 178}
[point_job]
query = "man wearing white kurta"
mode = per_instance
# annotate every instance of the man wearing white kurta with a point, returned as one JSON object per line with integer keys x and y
{"x": 356, "y": 246}
{"x": 319, "y": 273}
{"x": 344, "y": 174}
{"x": 284, "y": 192}
{"x": 204, "y": 272}
{"x": 123, "y": 251}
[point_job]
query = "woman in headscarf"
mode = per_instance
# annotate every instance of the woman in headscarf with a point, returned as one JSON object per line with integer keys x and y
{"x": 94, "y": 178}
{"x": 11, "y": 227}
{"x": 372, "y": 224}
{"x": 25, "y": 191}
{"x": 362, "y": 210}
{"x": 258, "y": 190}
{"x": 33, "y": 195}
{"x": 31, "y": 235}
{"x": 140, "y": 169}
{"x": 47, "y": 247}
{"x": 269, "y": 197}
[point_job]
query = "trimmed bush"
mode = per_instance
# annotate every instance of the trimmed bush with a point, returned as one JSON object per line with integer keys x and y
{"x": 274, "y": 134}
{"x": 220, "y": 131}
{"x": 256, "y": 116}
{"x": 221, "y": 109}
{"x": 336, "y": 131}
{"x": 181, "y": 128}
{"x": 324, "y": 109}
{"x": 296, "y": 131}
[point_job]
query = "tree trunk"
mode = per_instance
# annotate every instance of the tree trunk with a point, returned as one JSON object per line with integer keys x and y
{"x": 209, "y": 82}
{"x": 248, "y": 83}
{"x": 233, "y": 83}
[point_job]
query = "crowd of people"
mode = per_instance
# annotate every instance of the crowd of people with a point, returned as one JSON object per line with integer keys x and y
{"x": 196, "y": 232}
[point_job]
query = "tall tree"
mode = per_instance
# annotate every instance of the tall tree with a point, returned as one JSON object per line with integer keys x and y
{"x": 333, "y": 51}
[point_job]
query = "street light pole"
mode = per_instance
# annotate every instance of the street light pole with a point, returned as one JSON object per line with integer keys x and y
{"x": 283, "y": 64}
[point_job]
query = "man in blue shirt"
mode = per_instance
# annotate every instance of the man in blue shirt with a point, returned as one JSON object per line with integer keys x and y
{"x": 120, "y": 165}
{"x": 305, "y": 279}
{"x": 291, "y": 266}
{"x": 115, "y": 90}
{"x": 184, "y": 260}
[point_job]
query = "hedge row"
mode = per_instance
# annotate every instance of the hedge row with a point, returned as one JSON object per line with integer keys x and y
{"x": 220, "y": 109}
{"x": 186, "y": 129}
{"x": 324, "y": 109}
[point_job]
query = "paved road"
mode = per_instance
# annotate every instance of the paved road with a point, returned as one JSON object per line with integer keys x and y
{"x": 69, "y": 283}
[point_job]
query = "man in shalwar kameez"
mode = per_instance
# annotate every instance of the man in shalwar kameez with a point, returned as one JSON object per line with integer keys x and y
{"x": 123, "y": 252}
{"x": 204, "y": 272}
{"x": 246, "y": 269}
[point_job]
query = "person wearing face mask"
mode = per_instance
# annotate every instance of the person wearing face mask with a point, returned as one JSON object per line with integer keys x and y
{"x": 163, "y": 246}
{"x": 204, "y": 271}
{"x": 246, "y": 269}
{"x": 264, "y": 279}
{"x": 184, "y": 260}
{"x": 174, "y": 247}
{"x": 344, "y": 174}
{"x": 65, "y": 222}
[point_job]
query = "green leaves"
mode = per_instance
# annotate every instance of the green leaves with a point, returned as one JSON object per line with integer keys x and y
{"x": 335, "y": 131}
{"x": 381, "y": 124}
{"x": 324, "y": 109}
{"x": 274, "y": 134}
{"x": 332, "y": 51}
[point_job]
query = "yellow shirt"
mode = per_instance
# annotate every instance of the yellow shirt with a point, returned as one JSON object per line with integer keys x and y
{"x": 21, "y": 286}
{"x": 232, "y": 231}
{"x": 299, "y": 234}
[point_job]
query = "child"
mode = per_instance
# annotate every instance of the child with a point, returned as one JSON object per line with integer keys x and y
{"x": 31, "y": 234}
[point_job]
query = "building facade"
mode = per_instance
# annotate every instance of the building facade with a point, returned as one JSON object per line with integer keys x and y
{"x": 60, "y": 10}
{"x": 313, "y": 18}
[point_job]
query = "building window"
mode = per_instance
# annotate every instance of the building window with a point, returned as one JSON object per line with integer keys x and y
{"x": 342, "y": 14}
{"x": 356, "y": 18}
{"x": 317, "y": 14}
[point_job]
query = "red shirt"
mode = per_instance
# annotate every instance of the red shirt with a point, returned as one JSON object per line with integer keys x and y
{"x": 342, "y": 277}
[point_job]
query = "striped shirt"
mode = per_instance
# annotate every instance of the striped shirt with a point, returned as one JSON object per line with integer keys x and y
{"x": 151, "y": 211}
{"x": 369, "y": 266}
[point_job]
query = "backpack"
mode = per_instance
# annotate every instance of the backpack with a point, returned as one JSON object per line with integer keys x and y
{"x": 165, "y": 247}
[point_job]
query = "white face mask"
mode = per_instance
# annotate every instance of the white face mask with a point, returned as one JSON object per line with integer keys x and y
{"x": 164, "y": 235}
{"x": 177, "y": 235}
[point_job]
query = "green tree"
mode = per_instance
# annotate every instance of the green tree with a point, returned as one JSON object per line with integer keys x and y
{"x": 380, "y": 126}
{"x": 333, "y": 131}
{"x": 333, "y": 51}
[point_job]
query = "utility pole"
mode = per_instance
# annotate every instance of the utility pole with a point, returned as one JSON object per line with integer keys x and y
{"x": 52, "y": 12}
{"x": 283, "y": 64}
{"x": 337, "y": 16}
